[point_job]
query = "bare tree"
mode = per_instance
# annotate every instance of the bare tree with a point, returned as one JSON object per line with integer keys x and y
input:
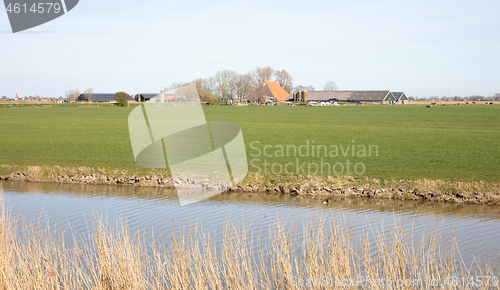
{"x": 72, "y": 95}
{"x": 284, "y": 79}
{"x": 223, "y": 80}
{"x": 303, "y": 88}
{"x": 210, "y": 98}
{"x": 200, "y": 87}
{"x": 206, "y": 86}
{"x": 203, "y": 86}
{"x": 476, "y": 98}
{"x": 242, "y": 85}
{"x": 176, "y": 85}
{"x": 496, "y": 97}
{"x": 331, "y": 86}
{"x": 89, "y": 93}
{"x": 206, "y": 90}
{"x": 212, "y": 85}
{"x": 261, "y": 75}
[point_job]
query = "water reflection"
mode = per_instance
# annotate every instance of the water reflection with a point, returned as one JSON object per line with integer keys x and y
{"x": 404, "y": 207}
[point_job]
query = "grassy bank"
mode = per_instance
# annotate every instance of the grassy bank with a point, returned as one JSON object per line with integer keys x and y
{"x": 316, "y": 186}
{"x": 114, "y": 258}
{"x": 413, "y": 142}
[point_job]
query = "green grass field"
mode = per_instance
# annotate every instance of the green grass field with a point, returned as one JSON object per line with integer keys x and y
{"x": 414, "y": 142}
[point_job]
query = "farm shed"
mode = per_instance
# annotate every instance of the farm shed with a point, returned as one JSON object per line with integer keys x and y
{"x": 325, "y": 96}
{"x": 352, "y": 96}
{"x": 372, "y": 97}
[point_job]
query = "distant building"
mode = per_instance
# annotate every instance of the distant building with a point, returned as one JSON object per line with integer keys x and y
{"x": 400, "y": 97}
{"x": 382, "y": 97}
{"x": 267, "y": 91}
{"x": 98, "y": 98}
{"x": 141, "y": 97}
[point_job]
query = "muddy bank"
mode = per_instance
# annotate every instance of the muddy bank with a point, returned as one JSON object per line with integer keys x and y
{"x": 87, "y": 175}
{"x": 477, "y": 192}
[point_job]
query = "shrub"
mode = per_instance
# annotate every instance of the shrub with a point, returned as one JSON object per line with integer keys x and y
{"x": 122, "y": 99}
{"x": 210, "y": 98}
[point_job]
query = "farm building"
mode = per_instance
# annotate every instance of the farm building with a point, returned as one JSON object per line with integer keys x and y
{"x": 351, "y": 96}
{"x": 269, "y": 90}
{"x": 183, "y": 94}
{"x": 143, "y": 97}
{"x": 400, "y": 98}
{"x": 98, "y": 98}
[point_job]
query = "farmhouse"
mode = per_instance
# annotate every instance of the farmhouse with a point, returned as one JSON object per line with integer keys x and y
{"x": 381, "y": 97}
{"x": 269, "y": 90}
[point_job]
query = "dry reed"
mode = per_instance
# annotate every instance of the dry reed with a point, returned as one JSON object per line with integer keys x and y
{"x": 326, "y": 252}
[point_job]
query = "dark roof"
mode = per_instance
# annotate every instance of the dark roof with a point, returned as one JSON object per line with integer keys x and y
{"x": 144, "y": 97}
{"x": 263, "y": 91}
{"x": 99, "y": 97}
{"x": 148, "y": 96}
{"x": 399, "y": 96}
{"x": 373, "y": 96}
{"x": 350, "y": 96}
{"x": 328, "y": 95}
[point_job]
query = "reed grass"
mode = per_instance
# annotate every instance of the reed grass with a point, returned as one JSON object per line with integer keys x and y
{"x": 41, "y": 257}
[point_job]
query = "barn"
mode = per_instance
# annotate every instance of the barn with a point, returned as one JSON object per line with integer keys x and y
{"x": 374, "y": 97}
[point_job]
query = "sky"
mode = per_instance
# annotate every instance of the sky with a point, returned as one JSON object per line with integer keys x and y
{"x": 424, "y": 48}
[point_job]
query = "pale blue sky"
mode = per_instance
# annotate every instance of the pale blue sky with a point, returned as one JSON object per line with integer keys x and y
{"x": 421, "y": 47}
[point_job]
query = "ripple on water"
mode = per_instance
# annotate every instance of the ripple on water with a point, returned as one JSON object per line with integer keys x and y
{"x": 476, "y": 228}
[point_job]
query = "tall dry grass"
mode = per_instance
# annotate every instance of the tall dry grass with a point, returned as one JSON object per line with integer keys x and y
{"x": 40, "y": 257}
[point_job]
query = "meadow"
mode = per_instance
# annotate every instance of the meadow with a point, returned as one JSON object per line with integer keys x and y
{"x": 408, "y": 142}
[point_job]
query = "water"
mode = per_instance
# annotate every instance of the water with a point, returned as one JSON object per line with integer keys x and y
{"x": 476, "y": 227}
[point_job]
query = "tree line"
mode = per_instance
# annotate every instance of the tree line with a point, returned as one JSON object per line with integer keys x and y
{"x": 226, "y": 85}
{"x": 477, "y": 98}
{"x": 230, "y": 85}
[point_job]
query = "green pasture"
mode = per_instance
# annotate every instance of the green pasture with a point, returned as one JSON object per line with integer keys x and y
{"x": 442, "y": 142}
